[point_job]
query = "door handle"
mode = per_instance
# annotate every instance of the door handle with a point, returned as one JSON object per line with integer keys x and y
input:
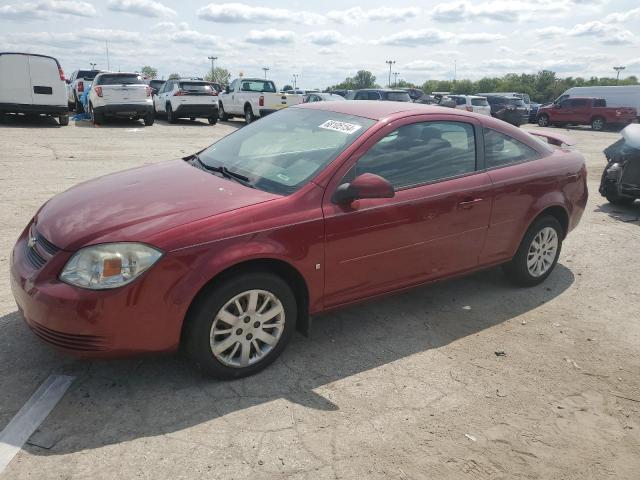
{"x": 469, "y": 203}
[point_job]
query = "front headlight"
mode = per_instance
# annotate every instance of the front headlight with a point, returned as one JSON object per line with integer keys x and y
{"x": 108, "y": 265}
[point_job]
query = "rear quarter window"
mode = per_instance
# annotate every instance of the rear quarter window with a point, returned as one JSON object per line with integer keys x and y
{"x": 501, "y": 150}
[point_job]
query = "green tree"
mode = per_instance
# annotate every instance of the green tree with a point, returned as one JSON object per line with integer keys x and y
{"x": 364, "y": 79}
{"x": 220, "y": 75}
{"x": 149, "y": 72}
{"x": 173, "y": 76}
{"x": 287, "y": 87}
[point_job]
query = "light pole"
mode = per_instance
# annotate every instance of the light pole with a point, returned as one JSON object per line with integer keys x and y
{"x": 390, "y": 63}
{"x": 213, "y": 59}
{"x": 618, "y": 70}
{"x": 93, "y": 65}
{"x": 295, "y": 81}
{"x": 266, "y": 69}
{"x": 395, "y": 79}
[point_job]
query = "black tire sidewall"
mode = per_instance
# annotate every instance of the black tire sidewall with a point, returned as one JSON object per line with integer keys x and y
{"x": 517, "y": 269}
{"x": 210, "y": 301}
{"x": 541, "y": 118}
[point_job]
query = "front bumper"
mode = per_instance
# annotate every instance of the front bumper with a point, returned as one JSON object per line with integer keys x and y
{"x": 141, "y": 317}
{"x": 125, "y": 109}
{"x": 197, "y": 111}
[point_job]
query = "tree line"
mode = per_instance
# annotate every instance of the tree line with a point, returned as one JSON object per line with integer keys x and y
{"x": 544, "y": 86}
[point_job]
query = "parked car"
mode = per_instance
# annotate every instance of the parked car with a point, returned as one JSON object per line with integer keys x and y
{"x": 380, "y": 94}
{"x": 533, "y": 112}
{"x": 216, "y": 86}
{"x": 123, "y": 95}
{"x": 253, "y": 98}
{"x": 79, "y": 82}
{"x": 585, "y": 111}
{"x": 341, "y": 92}
{"x": 472, "y": 103}
{"x": 615, "y": 96}
{"x": 524, "y": 96}
{"x": 156, "y": 85}
{"x": 322, "y": 97}
{"x": 33, "y": 85}
{"x": 186, "y": 98}
{"x": 620, "y": 182}
{"x": 414, "y": 93}
{"x": 228, "y": 251}
{"x": 509, "y": 109}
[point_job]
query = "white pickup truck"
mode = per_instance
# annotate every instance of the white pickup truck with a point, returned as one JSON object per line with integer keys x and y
{"x": 253, "y": 98}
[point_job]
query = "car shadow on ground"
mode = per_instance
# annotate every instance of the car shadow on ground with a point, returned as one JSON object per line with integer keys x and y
{"x": 112, "y": 123}
{"x": 28, "y": 121}
{"x": 198, "y": 122}
{"x": 117, "y": 401}
{"x": 622, "y": 213}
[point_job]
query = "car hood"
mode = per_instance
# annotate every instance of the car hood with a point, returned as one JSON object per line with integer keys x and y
{"x": 136, "y": 204}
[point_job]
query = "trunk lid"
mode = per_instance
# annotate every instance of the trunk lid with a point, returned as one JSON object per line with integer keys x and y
{"x": 124, "y": 93}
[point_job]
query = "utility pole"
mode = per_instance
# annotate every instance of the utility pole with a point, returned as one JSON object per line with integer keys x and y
{"x": 266, "y": 69}
{"x": 93, "y": 65}
{"x": 213, "y": 59}
{"x": 618, "y": 70}
{"x": 395, "y": 79}
{"x": 390, "y": 63}
{"x": 106, "y": 44}
{"x": 295, "y": 81}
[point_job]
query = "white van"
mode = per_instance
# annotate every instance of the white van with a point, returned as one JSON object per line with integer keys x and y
{"x": 33, "y": 84}
{"x": 616, "y": 96}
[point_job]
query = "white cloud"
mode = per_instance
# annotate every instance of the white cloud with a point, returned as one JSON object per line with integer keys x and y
{"x": 621, "y": 17}
{"x": 496, "y": 10}
{"x": 356, "y": 15}
{"x": 45, "y": 9}
{"x": 242, "y": 13}
{"x": 144, "y": 8}
{"x": 479, "y": 37}
{"x": 326, "y": 37}
{"x": 423, "y": 66}
{"x": 416, "y": 38}
{"x": 605, "y": 32}
{"x": 270, "y": 37}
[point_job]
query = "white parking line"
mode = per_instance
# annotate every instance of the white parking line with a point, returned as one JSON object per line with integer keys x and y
{"x": 31, "y": 415}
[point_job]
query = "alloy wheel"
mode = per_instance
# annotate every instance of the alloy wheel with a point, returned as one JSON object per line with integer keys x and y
{"x": 247, "y": 328}
{"x": 542, "y": 252}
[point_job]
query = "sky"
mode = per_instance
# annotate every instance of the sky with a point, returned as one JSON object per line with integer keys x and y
{"x": 325, "y": 42}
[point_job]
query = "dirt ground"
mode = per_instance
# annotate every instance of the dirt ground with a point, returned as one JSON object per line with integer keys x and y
{"x": 407, "y": 387}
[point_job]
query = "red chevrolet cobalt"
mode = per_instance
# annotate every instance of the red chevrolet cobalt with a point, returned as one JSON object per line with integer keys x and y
{"x": 228, "y": 251}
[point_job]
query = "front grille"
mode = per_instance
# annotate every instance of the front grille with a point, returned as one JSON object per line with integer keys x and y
{"x": 38, "y": 249}
{"x": 69, "y": 341}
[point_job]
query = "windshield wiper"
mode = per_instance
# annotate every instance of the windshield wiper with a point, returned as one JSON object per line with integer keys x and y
{"x": 244, "y": 180}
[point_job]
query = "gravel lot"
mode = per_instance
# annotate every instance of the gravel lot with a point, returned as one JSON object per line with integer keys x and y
{"x": 408, "y": 387}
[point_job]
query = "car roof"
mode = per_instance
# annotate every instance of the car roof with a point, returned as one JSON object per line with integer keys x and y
{"x": 381, "y": 90}
{"x": 376, "y": 110}
{"x": 585, "y": 98}
{"x": 32, "y": 55}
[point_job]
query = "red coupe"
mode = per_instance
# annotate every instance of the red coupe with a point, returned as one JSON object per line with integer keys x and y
{"x": 228, "y": 251}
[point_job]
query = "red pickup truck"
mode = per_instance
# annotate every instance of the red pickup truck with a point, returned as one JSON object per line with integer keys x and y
{"x": 585, "y": 111}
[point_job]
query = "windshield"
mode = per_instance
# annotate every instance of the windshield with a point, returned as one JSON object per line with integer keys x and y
{"x": 398, "y": 97}
{"x": 258, "y": 86}
{"x": 116, "y": 79}
{"x": 283, "y": 151}
{"x": 156, "y": 83}
{"x": 479, "y": 102}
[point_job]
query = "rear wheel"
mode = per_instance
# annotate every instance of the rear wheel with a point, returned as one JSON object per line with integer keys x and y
{"x": 597, "y": 123}
{"x": 538, "y": 253}
{"x": 543, "y": 120}
{"x": 213, "y": 119}
{"x": 149, "y": 118}
{"x": 96, "y": 117}
{"x": 63, "y": 120}
{"x": 248, "y": 114}
{"x": 170, "y": 115}
{"x": 222, "y": 114}
{"x": 240, "y": 326}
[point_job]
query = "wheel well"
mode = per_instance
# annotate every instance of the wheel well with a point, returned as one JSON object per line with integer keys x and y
{"x": 597, "y": 116}
{"x": 278, "y": 267}
{"x": 560, "y": 214}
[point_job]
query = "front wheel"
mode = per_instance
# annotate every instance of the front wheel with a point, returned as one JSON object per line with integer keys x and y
{"x": 63, "y": 120}
{"x": 171, "y": 118}
{"x": 222, "y": 114}
{"x": 538, "y": 253}
{"x": 543, "y": 120}
{"x": 241, "y": 325}
{"x": 597, "y": 123}
{"x": 614, "y": 199}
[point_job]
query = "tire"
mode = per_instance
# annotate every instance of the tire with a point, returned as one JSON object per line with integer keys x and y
{"x": 79, "y": 107}
{"x": 222, "y": 114}
{"x": 248, "y": 115}
{"x": 543, "y": 120}
{"x": 614, "y": 199}
{"x": 96, "y": 117}
{"x": 171, "y": 118}
{"x": 204, "y": 316}
{"x": 149, "y": 118}
{"x": 598, "y": 124}
{"x": 63, "y": 120}
{"x": 193, "y": 119}
{"x": 518, "y": 270}
{"x": 213, "y": 119}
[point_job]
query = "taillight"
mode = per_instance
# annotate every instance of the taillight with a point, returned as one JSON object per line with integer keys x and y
{"x": 61, "y": 72}
{"x": 98, "y": 91}
{"x": 80, "y": 86}
{"x": 261, "y": 101}
{"x": 469, "y": 109}
{"x": 148, "y": 91}
{"x": 180, "y": 93}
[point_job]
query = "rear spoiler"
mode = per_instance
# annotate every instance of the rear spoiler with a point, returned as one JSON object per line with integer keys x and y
{"x": 554, "y": 138}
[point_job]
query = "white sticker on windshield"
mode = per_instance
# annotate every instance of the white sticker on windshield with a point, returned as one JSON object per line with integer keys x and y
{"x": 342, "y": 127}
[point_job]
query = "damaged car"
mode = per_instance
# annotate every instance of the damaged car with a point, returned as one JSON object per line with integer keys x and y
{"x": 620, "y": 182}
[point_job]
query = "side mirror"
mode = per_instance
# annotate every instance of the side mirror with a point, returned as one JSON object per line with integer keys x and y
{"x": 366, "y": 185}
